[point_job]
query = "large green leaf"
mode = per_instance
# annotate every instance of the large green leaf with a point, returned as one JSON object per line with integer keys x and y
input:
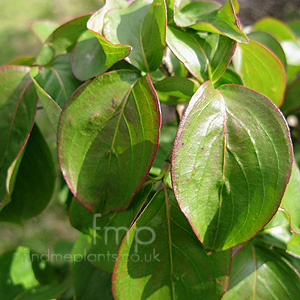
{"x": 261, "y": 273}
{"x": 240, "y": 159}
{"x": 107, "y": 139}
{"x": 161, "y": 258}
{"x": 57, "y": 80}
{"x": 143, "y": 27}
{"x": 261, "y": 70}
{"x": 206, "y": 57}
{"x": 106, "y": 231}
{"x": 89, "y": 282}
{"x": 205, "y": 16}
{"x": 34, "y": 183}
{"x": 17, "y": 112}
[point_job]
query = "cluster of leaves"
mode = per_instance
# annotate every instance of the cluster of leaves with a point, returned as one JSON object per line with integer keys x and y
{"x": 195, "y": 198}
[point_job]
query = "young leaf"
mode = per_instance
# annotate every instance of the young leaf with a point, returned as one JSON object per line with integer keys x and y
{"x": 260, "y": 273}
{"x": 107, "y": 139}
{"x": 206, "y": 57}
{"x": 223, "y": 132}
{"x": 209, "y": 18}
{"x": 34, "y": 183}
{"x": 17, "y": 112}
{"x": 143, "y": 27}
{"x": 161, "y": 258}
{"x": 261, "y": 70}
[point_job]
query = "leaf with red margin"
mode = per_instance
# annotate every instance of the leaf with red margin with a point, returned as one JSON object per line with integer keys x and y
{"x": 206, "y": 57}
{"x": 142, "y": 26}
{"x": 221, "y": 21}
{"x": 260, "y": 272}
{"x": 261, "y": 70}
{"x": 107, "y": 139}
{"x": 161, "y": 258}
{"x": 17, "y": 112}
{"x": 239, "y": 162}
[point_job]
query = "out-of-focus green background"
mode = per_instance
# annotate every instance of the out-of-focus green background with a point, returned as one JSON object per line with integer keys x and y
{"x": 16, "y": 17}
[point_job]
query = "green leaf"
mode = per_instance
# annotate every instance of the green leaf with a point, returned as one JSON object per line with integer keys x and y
{"x": 141, "y": 26}
{"x": 93, "y": 55}
{"x": 43, "y": 29}
{"x": 271, "y": 43}
{"x": 34, "y": 183}
{"x": 229, "y": 77}
{"x": 106, "y": 231}
{"x": 23, "y": 61}
{"x": 17, "y": 112}
{"x": 275, "y": 27}
{"x": 175, "y": 87}
{"x": 64, "y": 38}
{"x": 295, "y": 27}
{"x": 16, "y": 273}
{"x": 161, "y": 258}
{"x": 291, "y": 98}
{"x": 290, "y": 202}
{"x": 96, "y": 21}
{"x": 52, "y": 109}
{"x": 262, "y": 273}
{"x": 203, "y": 17}
{"x": 206, "y": 57}
{"x": 261, "y": 70}
{"x": 89, "y": 282}
{"x": 58, "y": 81}
{"x": 223, "y": 132}
{"x": 107, "y": 139}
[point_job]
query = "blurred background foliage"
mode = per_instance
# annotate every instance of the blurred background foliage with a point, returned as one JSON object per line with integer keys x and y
{"x": 16, "y": 17}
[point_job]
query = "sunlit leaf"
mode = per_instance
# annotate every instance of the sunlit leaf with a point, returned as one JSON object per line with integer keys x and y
{"x": 222, "y": 133}
{"x": 107, "y": 139}
{"x": 143, "y": 27}
{"x": 206, "y": 57}
{"x": 261, "y": 70}
{"x": 205, "y": 16}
